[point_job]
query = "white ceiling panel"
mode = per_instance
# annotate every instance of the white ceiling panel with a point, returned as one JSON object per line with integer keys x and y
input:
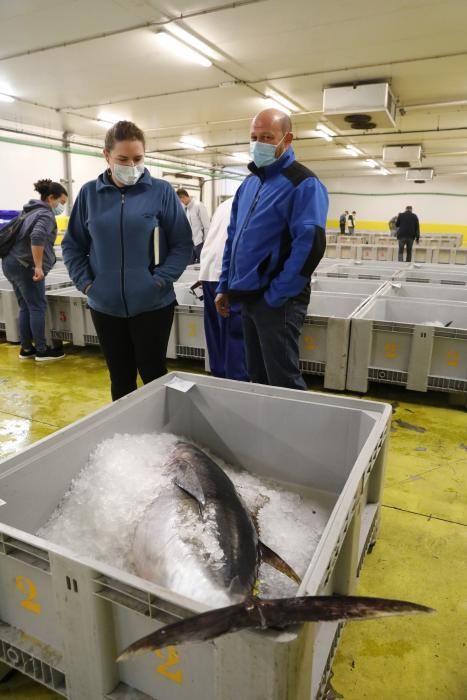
{"x": 297, "y": 49}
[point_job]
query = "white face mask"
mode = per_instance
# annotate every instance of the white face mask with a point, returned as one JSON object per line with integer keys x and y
{"x": 128, "y": 174}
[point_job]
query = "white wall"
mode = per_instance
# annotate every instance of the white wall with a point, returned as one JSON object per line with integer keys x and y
{"x": 20, "y": 167}
{"x": 379, "y": 197}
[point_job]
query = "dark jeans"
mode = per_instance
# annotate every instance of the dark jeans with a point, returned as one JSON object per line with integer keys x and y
{"x": 271, "y": 342}
{"x": 132, "y": 345}
{"x": 342, "y": 229}
{"x": 196, "y": 253}
{"x": 224, "y": 338}
{"x": 402, "y": 243}
{"x": 31, "y": 300}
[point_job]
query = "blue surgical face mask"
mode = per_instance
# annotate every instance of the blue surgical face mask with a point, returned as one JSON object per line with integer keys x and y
{"x": 59, "y": 209}
{"x": 264, "y": 154}
{"x": 128, "y": 174}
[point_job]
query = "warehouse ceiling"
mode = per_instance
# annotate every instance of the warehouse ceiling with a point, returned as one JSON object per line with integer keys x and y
{"x": 75, "y": 65}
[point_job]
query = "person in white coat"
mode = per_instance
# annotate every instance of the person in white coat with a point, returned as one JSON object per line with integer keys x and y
{"x": 198, "y": 216}
{"x": 224, "y": 336}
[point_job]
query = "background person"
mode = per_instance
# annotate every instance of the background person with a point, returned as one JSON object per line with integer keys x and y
{"x": 408, "y": 231}
{"x": 224, "y": 336}
{"x": 198, "y": 216}
{"x": 342, "y": 220}
{"x": 128, "y": 241}
{"x": 27, "y": 264}
{"x": 351, "y": 222}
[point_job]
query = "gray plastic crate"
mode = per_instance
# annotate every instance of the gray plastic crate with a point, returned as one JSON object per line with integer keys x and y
{"x": 9, "y": 306}
{"x": 190, "y": 337}
{"x": 344, "y": 285}
{"x": 64, "y": 618}
{"x": 69, "y": 318}
{"x": 324, "y": 341}
{"x": 434, "y": 274}
{"x": 393, "y": 342}
{"x": 412, "y": 290}
{"x": 362, "y": 270}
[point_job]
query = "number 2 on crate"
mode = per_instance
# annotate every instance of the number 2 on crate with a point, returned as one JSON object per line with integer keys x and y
{"x": 171, "y": 659}
{"x": 28, "y": 588}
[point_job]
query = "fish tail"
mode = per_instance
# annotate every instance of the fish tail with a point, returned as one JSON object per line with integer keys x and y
{"x": 255, "y": 613}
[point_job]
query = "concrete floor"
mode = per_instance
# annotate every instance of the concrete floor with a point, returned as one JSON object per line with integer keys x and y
{"x": 421, "y": 552}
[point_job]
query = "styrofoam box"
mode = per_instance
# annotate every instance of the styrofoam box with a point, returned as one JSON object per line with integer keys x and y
{"x": 324, "y": 341}
{"x": 412, "y": 290}
{"x": 65, "y": 618}
{"x": 393, "y": 342}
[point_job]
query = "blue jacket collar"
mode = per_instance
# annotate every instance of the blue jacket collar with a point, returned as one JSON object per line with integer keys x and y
{"x": 103, "y": 181}
{"x": 286, "y": 159}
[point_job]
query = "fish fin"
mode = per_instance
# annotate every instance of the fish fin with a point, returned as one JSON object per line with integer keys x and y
{"x": 255, "y": 613}
{"x": 270, "y": 557}
{"x": 189, "y": 482}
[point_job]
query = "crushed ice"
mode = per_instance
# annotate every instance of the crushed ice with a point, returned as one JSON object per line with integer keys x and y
{"x": 99, "y": 514}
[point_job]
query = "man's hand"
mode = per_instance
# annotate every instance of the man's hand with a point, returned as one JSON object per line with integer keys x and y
{"x": 223, "y": 305}
{"x": 38, "y": 274}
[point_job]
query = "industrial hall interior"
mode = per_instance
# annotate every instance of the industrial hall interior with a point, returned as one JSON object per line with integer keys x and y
{"x": 233, "y": 350}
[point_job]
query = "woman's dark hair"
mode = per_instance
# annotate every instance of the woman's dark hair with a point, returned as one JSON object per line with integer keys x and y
{"x": 123, "y": 131}
{"x": 182, "y": 193}
{"x": 47, "y": 188}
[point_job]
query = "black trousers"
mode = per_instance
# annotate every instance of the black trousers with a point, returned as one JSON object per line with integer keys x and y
{"x": 132, "y": 345}
{"x": 402, "y": 243}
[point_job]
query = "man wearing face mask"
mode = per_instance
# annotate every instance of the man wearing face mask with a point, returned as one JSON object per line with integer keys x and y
{"x": 276, "y": 239}
{"x": 128, "y": 241}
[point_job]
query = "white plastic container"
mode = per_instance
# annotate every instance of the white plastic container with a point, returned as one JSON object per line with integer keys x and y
{"x": 393, "y": 340}
{"x": 325, "y": 336}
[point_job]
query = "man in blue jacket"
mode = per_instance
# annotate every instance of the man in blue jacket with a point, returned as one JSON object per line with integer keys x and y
{"x": 276, "y": 238}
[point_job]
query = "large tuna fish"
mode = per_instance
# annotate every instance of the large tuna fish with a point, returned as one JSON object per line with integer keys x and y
{"x": 198, "y": 539}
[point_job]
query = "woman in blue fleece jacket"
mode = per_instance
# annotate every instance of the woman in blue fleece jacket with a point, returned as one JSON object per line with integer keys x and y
{"x": 128, "y": 241}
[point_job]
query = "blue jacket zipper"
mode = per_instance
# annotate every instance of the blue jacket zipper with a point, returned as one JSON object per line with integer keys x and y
{"x": 245, "y": 224}
{"x": 123, "y": 255}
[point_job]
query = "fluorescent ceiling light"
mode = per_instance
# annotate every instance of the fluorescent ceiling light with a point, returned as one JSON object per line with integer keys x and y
{"x": 354, "y": 151}
{"x": 283, "y": 101}
{"x": 191, "y": 40}
{"x": 183, "y": 50}
{"x": 243, "y": 157}
{"x": 108, "y": 119}
{"x": 6, "y": 98}
{"x": 192, "y": 143}
{"x": 269, "y": 103}
{"x": 325, "y": 129}
{"x": 371, "y": 163}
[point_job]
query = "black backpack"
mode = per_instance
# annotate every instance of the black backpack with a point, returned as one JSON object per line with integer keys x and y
{"x": 9, "y": 232}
